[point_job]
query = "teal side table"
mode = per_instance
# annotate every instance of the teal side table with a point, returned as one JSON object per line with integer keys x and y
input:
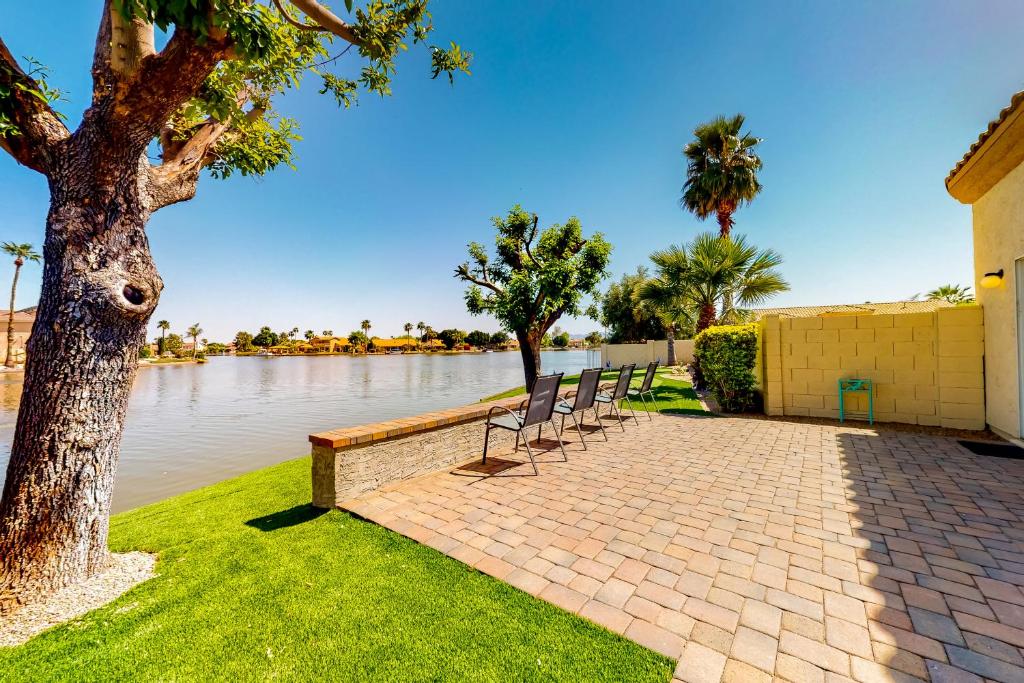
{"x": 848, "y": 385}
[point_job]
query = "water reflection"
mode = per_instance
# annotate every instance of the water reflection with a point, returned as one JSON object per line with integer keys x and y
{"x": 191, "y": 425}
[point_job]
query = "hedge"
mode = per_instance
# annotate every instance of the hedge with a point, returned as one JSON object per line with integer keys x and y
{"x": 727, "y": 355}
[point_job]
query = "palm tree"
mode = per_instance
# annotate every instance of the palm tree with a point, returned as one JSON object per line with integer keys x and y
{"x": 721, "y": 170}
{"x": 365, "y": 327}
{"x": 420, "y": 327}
{"x": 694, "y": 280}
{"x": 661, "y": 296}
{"x": 194, "y": 331}
{"x": 328, "y": 333}
{"x": 309, "y": 334}
{"x": 163, "y": 326}
{"x": 408, "y": 329}
{"x": 954, "y": 294}
{"x": 21, "y": 253}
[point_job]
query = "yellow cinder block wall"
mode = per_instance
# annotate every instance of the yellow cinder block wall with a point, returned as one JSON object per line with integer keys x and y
{"x": 927, "y": 368}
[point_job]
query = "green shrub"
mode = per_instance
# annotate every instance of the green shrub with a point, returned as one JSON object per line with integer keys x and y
{"x": 726, "y": 356}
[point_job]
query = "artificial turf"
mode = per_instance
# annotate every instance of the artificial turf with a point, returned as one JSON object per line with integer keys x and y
{"x": 255, "y": 584}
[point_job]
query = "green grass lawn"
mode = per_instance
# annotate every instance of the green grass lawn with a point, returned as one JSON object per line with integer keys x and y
{"x": 255, "y": 584}
{"x": 674, "y": 396}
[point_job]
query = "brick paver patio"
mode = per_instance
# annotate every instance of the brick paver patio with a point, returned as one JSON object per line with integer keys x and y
{"x": 752, "y": 549}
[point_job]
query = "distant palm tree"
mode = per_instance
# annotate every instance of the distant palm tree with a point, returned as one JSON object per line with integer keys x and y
{"x": 21, "y": 253}
{"x": 163, "y": 326}
{"x": 420, "y": 327}
{"x": 408, "y": 329}
{"x": 294, "y": 333}
{"x": 954, "y": 294}
{"x": 309, "y": 334}
{"x": 695, "y": 279}
{"x": 194, "y": 331}
{"x": 721, "y": 170}
{"x": 328, "y": 333}
{"x": 365, "y": 327}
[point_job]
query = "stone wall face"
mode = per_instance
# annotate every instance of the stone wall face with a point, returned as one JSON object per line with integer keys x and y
{"x": 345, "y": 472}
{"x": 927, "y": 368}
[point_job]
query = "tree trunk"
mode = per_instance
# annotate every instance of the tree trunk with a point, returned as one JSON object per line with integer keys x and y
{"x": 671, "y": 329}
{"x": 99, "y": 289}
{"x": 725, "y": 223}
{"x": 707, "y": 317}
{"x": 529, "y": 347}
{"x": 9, "y": 360}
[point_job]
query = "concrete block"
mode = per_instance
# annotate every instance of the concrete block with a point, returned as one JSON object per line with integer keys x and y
{"x": 961, "y": 380}
{"x": 914, "y": 320}
{"x": 961, "y": 315}
{"x": 924, "y": 334}
{"x": 857, "y": 335}
{"x": 969, "y": 349}
{"x": 807, "y": 323}
{"x": 839, "y": 322}
{"x": 913, "y": 348}
{"x": 894, "y": 334}
{"x": 915, "y": 406}
{"x": 875, "y": 321}
{"x": 973, "y": 396}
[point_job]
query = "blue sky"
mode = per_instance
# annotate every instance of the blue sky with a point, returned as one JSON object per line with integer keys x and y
{"x": 578, "y": 108}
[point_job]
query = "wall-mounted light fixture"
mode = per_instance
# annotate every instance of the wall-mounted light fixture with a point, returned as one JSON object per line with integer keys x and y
{"x": 992, "y": 280}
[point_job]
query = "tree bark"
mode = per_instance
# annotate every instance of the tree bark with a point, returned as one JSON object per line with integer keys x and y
{"x": 9, "y": 360}
{"x": 671, "y": 330}
{"x": 725, "y": 223}
{"x": 529, "y": 347}
{"x": 99, "y": 288}
{"x": 707, "y": 317}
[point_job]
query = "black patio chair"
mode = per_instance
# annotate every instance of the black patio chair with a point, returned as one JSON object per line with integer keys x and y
{"x": 618, "y": 393}
{"x": 645, "y": 388}
{"x": 586, "y": 392}
{"x": 540, "y": 408}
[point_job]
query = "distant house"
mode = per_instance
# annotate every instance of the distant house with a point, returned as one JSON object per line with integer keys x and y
{"x": 990, "y": 177}
{"x": 399, "y": 344}
{"x": 23, "y": 321}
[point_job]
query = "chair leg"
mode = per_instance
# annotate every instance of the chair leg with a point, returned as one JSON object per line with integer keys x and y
{"x": 487, "y": 434}
{"x": 646, "y": 409}
{"x": 560, "y": 444}
{"x": 563, "y": 422}
{"x": 518, "y": 432}
{"x": 529, "y": 452}
{"x": 579, "y": 429}
{"x": 654, "y": 400}
{"x": 601, "y": 425}
{"x": 631, "y": 411}
{"x": 618, "y": 415}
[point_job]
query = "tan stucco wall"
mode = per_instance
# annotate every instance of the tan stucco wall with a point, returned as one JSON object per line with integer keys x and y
{"x": 998, "y": 242}
{"x": 642, "y": 354}
{"x": 927, "y": 368}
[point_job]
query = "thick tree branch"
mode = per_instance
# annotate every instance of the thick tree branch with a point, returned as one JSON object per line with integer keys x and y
{"x": 464, "y": 273}
{"x": 39, "y": 128}
{"x": 175, "y": 180}
{"x": 324, "y": 18}
{"x": 102, "y": 76}
{"x": 131, "y": 41}
{"x": 159, "y": 86}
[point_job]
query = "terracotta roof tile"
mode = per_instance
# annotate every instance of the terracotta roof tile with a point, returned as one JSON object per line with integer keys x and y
{"x": 1015, "y": 101}
{"x": 853, "y": 309}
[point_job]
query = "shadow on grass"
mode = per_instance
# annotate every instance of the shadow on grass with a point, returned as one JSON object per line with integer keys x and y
{"x": 286, "y": 518}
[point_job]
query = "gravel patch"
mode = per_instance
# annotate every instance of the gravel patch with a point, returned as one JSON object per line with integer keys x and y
{"x": 126, "y": 571}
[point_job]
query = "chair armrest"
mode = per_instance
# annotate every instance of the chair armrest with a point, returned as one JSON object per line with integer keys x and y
{"x": 507, "y": 410}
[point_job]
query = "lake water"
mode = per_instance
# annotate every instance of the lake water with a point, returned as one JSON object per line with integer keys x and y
{"x": 191, "y": 425}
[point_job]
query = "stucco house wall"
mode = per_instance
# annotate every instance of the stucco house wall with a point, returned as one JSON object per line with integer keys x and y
{"x": 998, "y": 243}
{"x": 990, "y": 178}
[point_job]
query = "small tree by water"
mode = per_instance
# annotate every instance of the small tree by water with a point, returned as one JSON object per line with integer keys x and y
{"x": 534, "y": 278}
